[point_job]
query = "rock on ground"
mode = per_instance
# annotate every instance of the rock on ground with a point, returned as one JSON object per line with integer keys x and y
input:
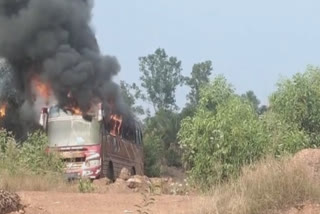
{"x": 124, "y": 174}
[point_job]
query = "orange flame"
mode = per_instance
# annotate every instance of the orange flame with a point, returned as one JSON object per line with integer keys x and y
{"x": 3, "y": 109}
{"x": 76, "y": 111}
{"x": 117, "y": 122}
{"x": 41, "y": 88}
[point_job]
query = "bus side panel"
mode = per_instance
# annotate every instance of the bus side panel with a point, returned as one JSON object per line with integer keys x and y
{"x": 121, "y": 153}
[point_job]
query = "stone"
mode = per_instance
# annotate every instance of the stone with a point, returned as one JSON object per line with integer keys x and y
{"x": 134, "y": 183}
{"x": 124, "y": 174}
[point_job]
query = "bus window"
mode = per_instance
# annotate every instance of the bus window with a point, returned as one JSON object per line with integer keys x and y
{"x": 128, "y": 133}
{"x": 115, "y": 125}
{"x": 137, "y": 137}
{"x": 140, "y": 137}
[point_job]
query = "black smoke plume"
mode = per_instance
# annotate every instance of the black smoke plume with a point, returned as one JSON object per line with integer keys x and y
{"x": 53, "y": 40}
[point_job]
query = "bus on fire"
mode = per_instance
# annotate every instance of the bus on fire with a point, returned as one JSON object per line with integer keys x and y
{"x": 94, "y": 145}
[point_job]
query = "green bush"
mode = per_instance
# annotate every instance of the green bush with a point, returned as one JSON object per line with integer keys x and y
{"x": 283, "y": 137}
{"x": 173, "y": 158}
{"x": 297, "y": 102}
{"x": 224, "y": 134}
{"x": 153, "y": 150}
{"x": 34, "y": 156}
{"x": 85, "y": 186}
{"x": 29, "y": 157}
{"x": 27, "y": 166}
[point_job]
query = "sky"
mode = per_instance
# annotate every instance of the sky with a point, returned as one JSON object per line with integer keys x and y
{"x": 252, "y": 43}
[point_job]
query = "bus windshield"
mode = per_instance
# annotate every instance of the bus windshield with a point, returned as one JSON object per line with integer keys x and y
{"x": 73, "y": 132}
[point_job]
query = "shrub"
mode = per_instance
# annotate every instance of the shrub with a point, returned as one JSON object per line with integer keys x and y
{"x": 224, "y": 134}
{"x": 85, "y": 186}
{"x": 28, "y": 166}
{"x": 173, "y": 158}
{"x": 297, "y": 102}
{"x": 283, "y": 138}
{"x": 33, "y": 155}
{"x": 265, "y": 186}
{"x": 152, "y": 155}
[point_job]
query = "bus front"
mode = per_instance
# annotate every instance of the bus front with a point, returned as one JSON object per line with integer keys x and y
{"x": 77, "y": 140}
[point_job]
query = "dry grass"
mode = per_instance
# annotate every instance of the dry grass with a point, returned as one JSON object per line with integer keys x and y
{"x": 31, "y": 182}
{"x": 264, "y": 187}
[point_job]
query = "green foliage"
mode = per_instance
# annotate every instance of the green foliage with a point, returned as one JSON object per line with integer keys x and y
{"x": 199, "y": 77}
{"x": 297, "y": 101}
{"x": 9, "y": 153}
{"x": 215, "y": 93}
{"x": 218, "y": 130}
{"x": 283, "y": 138}
{"x": 173, "y": 157}
{"x": 5, "y": 139}
{"x": 262, "y": 109}
{"x": 153, "y": 150}
{"x": 31, "y": 157}
{"x": 224, "y": 135}
{"x": 85, "y": 186}
{"x": 165, "y": 125}
{"x": 253, "y": 100}
{"x": 228, "y": 131}
{"x": 160, "y": 77}
{"x": 161, "y": 137}
{"x": 188, "y": 111}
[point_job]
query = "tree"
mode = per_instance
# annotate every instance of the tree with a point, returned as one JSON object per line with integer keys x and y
{"x": 131, "y": 98}
{"x": 297, "y": 102}
{"x": 253, "y": 100}
{"x": 161, "y": 75}
{"x": 164, "y": 126}
{"x": 199, "y": 77}
{"x": 262, "y": 109}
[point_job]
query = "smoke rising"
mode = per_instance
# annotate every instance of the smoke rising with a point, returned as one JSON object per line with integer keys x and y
{"x": 53, "y": 40}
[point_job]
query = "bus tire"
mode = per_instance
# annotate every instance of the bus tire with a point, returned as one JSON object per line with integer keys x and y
{"x": 133, "y": 171}
{"x": 110, "y": 174}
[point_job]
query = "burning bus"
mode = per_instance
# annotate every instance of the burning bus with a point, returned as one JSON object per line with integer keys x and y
{"x": 93, "y": 145}
{"x": 44, "y": 60}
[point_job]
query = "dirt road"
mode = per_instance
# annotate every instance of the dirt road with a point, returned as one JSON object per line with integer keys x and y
{"x": 66, "y": 203}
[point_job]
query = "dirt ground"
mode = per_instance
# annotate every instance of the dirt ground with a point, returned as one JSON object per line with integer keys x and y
{"x": 307, "y": 208}
{"x": 115, "y": 203}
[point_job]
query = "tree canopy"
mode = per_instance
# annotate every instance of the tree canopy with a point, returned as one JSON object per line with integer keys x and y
{"x": 297, "y": 101}
{"x": 160, "y": 76}
{"x": 199, "y": 77}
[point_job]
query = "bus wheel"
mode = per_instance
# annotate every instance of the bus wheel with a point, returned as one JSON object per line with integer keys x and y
{"x": 133, "y": 171}
{"x": 110, "y": 171}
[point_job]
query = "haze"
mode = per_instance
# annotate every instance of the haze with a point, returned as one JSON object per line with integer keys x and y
{"x": 253, "y": 43}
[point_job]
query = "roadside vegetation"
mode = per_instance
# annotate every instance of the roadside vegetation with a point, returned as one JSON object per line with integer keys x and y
{"x": 268, "y": 185}
{"x": 221, "y": 138}
{"x": 27, "y": 166}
